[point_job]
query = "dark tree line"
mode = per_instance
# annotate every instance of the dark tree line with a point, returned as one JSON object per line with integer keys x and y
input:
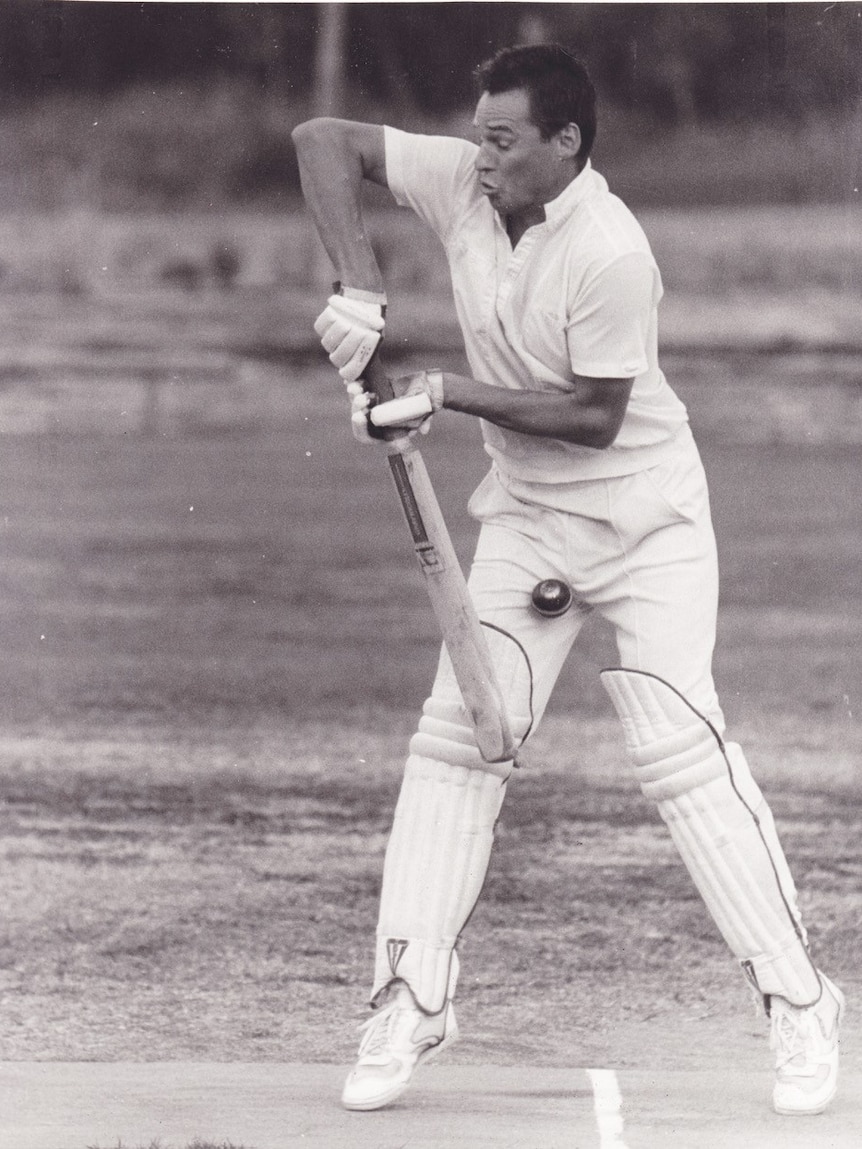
{"x": 677, "y": 62}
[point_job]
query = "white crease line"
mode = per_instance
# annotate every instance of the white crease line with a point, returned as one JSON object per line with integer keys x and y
{"x": 608, "y": 1103}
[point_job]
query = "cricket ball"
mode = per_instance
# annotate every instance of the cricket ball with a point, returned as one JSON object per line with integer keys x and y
{"x": 551, "y": 597}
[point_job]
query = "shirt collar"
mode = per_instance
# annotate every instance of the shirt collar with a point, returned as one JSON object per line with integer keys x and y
{"x": 586, "y": 183}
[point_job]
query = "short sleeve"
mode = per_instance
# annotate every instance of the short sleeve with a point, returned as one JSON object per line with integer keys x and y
{"x": 608, "y": 326}
{"x": 433, "y": 175}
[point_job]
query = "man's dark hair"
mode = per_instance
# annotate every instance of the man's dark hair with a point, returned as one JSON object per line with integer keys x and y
{"x": 557, "y": 83}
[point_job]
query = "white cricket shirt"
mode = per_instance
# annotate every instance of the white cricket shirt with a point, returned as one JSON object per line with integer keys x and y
{"x": 577, "y": 296}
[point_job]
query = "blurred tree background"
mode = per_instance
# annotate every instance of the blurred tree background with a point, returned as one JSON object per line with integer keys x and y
{"x": 152, "y": 106}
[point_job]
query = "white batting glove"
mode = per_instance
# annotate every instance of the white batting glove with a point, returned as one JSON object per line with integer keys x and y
{"x": 421, "y": 395}
{"x": 360, "y": 402}
{"x": 350, "y": 328}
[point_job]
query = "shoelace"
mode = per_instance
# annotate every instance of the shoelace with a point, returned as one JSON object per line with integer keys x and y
{"x": 377, "y": 1030}
{"x": 789, "y": 1034}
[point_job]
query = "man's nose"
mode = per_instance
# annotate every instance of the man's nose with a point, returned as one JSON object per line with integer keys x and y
{"x": 483, "y": 159}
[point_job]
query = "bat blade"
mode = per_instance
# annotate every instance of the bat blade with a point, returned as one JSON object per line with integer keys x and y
{"x": 453, "y": 608}
{"x": 447, "y": 588}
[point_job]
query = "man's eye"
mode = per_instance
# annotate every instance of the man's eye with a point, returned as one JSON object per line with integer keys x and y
{"x": 502, "y": 144}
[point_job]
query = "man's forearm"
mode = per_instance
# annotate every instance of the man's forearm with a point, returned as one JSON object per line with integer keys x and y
{"x": 332, "y": 172}
{"x": 590, "y": 415}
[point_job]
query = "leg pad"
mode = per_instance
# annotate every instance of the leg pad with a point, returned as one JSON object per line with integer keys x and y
{"x": 445, "y": 734}
{"x": 723, "y": 829}
{"x": 435, "y": 867}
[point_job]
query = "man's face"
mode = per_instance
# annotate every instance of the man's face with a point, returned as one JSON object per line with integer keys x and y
{"x": 517, "y": 169}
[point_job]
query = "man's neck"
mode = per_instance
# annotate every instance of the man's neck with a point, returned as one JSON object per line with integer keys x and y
{"x": 518, "y": 222}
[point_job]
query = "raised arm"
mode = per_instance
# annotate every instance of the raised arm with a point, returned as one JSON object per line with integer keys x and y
{"x": 335, "y": 156}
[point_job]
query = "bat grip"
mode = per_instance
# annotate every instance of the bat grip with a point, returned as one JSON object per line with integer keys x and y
{"x": 375, "y": 379}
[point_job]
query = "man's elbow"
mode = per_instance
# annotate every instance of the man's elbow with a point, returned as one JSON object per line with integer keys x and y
{"x": 600, "y": 408}
{"x": 311, "y": 130}
{"x": 604, "y": 431}
{"x": 343, "y": 142}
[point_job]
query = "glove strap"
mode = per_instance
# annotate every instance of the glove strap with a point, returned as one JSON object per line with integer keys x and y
{"x": 434, "y": 386}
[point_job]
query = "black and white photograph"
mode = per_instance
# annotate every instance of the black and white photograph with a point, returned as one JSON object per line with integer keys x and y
{"x": 430, "y": 575}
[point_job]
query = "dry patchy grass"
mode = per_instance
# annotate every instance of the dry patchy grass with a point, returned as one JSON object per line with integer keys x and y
{"x": 159, "y": 1144}
{"x": 166, "y": 901}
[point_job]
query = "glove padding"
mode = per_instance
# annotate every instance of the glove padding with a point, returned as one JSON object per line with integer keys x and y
{"x": 417, "y": 398}
{"x": 362, "y": 402}
{"x": 409, "y": 414}
{"x": 350, "y": 330}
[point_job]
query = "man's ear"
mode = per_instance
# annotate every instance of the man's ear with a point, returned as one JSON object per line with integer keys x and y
{"x": 568, "y": 142}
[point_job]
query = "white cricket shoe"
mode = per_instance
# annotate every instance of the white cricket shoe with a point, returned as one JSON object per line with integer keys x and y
{"x": 398, "y": 1036}
{"x": 805, "y": 1040}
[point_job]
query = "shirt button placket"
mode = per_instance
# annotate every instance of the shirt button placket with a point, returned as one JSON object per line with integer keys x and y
{"x": 514, "y": 264}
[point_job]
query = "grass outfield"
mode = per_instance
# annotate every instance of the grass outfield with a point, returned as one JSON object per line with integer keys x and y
{"x": 706, "y": 251}
{"x": 215, "y": 644}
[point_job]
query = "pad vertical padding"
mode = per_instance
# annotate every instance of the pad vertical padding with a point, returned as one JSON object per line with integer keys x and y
{"x": 435, "y": 867}
{"x": 723, "y": 830}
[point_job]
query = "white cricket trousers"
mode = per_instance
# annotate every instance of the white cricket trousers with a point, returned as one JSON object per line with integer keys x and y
{"x": 638, "y": 549}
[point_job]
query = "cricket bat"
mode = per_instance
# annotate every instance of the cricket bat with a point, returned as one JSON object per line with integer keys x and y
{"x": 447, "y": 588}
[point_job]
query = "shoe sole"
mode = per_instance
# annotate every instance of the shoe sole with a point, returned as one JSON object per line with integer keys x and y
{"x": 820, "y": 1108}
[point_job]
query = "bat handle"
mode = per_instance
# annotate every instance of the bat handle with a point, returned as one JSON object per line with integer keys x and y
{"x": 375, "y": 379}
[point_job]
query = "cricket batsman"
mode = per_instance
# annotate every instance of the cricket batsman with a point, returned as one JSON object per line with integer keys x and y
{"x": 596, "y": 484}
